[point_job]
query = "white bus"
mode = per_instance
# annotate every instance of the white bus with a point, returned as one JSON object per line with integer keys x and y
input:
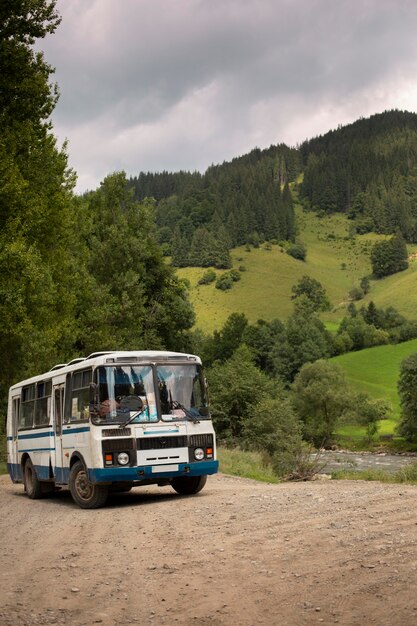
{"x": 110, "y": 422}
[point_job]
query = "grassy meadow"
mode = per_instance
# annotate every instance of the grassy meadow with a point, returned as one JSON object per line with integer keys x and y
{"x": 375, "y": 371}
{"x": 334, "y": 258}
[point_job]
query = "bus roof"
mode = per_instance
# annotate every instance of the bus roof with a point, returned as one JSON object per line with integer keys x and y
{"x": 121, "y": 357}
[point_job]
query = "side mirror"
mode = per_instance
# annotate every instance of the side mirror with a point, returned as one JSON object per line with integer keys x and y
{"x": 93, "y": 393}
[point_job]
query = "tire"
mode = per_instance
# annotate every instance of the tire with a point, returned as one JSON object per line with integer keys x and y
{"x": 87, "y": 495}
{"x": 33, "y": 486}
{"x": 188, "y": 485}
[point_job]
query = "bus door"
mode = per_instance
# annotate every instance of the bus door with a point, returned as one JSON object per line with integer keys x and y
{"x": 58, "y": 413}
{"x": 13, "y": 447}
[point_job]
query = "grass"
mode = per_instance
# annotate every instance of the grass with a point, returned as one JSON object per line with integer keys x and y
{"x": 375, "y": 371}
{"x": 264, "y": 291}
{"x": 237, "y": 462}
{"x": 3, "y": 468}
{"x": 334, "y": 258}
{"x": 406, "y": 474}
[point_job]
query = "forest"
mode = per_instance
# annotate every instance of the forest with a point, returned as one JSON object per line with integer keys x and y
{"x": 81, "y": 273}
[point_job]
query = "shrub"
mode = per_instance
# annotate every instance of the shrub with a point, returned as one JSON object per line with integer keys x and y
{"x": 356, "y": 293}
{"x": 297, "y": 251}
{"x": 224, "y": 282}
{"x": 208, "y": 277}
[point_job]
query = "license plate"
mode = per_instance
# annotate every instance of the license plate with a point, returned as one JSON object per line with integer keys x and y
{"x": 164, "y": 468}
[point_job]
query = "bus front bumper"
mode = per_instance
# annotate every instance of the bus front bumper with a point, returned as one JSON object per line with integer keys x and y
{"x": 152, "y": 472}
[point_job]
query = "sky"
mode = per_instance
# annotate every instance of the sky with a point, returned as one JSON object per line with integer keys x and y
{"x": 153, "y": 85}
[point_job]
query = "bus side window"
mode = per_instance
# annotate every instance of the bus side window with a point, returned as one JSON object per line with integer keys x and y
{"x": 43, "y": 403}
{"x": 77, "y": 396}
{"x": 15, "y": 415}
{"x": 27, "y": 409}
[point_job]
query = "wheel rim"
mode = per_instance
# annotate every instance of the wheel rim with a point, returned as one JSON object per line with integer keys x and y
{"x": 83, "y": 486}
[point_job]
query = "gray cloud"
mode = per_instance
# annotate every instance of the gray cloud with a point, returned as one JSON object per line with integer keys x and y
{"x": 170, "y": 84}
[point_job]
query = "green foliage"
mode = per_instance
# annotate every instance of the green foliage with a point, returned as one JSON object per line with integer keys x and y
{"x": 366, "y": 169}
{"x": 208, "y": 277}
{"x": 246, "y": 200}
{"x": 356, "y": 293}
{"x": 236, "y": 387}
{"x": 275, "y": 431}
{"x": 389, "y": 257}
{"x": 313, "y": 294}
{"x": 36, "y": 213}
{"x": 297, "y": 251}
{"x": 224, "y": 282}
{"x": 320, "y": 397}
{"x": 407, "y": 391}
{"x": 131, "y": 290}
{"x": 305, "y": 340}
{"x": 245, "y": 463}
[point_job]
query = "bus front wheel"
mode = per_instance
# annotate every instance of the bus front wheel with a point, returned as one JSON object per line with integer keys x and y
{"x": 31, "y": 482}
{"x": 87, "y": 495}
{"x": 188, "y": 485}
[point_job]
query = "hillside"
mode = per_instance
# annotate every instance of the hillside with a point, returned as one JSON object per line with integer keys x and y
{"x": 375, "y": 371}
{"x": 264, "y": 290}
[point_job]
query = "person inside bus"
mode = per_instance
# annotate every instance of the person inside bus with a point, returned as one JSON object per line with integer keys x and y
{"x": 108, "y": 406}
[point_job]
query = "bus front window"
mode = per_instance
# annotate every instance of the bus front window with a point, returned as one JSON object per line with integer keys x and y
{"x": 124, "y": 394}
{"x": 182, "y": 392}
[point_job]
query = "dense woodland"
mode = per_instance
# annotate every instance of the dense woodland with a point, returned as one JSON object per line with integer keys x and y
{"x": 86, "y": 273}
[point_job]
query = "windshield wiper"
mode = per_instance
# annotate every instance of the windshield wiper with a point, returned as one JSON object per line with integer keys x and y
{"x": 177, "y": 405}
{"x": 131, "y": 419}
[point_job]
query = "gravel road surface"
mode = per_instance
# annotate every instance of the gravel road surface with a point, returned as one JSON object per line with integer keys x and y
{"x": 239, "y": 553}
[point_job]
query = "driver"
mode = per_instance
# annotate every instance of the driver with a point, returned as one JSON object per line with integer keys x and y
{"x": 108, "y": 406}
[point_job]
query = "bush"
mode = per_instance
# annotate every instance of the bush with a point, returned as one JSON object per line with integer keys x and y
{"x": 208, "y": 277}
{"x": 224, "y": 282}
{"x": 297, "y": 251}
{"x": 356, "y": 293}
{"x": 274, "y": 430}
{"x": 407, "y": 390}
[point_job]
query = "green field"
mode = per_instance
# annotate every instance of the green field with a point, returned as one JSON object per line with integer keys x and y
{"x": 375, "y": 371}
{"x": 334, "y": 258}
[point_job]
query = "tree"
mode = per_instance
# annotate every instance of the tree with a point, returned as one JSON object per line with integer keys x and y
{"x": 236, "y": 387}
{"x": 312, "y": 290}
{"x": 389, "y": 257}
{"x": 275, "y": 431}
{"x": 37, "y": 227}
{"x": 407, "y": 390}
{"x": 305, "y": 340}
{"x": 136, "y": 296}
{"x": 320, "y": 399}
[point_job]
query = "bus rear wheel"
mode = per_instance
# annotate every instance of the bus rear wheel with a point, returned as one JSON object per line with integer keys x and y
{"x": 31, "y": 481}
{"x": 87, "y": 495}
{"x": 188, "y": 485}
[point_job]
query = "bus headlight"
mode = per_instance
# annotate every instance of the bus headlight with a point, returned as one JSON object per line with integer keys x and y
{"x": 199, "y": 454}
{"x": 123, "y": 458}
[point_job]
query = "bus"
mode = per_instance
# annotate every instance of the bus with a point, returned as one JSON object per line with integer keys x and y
{"x": 109, "y": 422}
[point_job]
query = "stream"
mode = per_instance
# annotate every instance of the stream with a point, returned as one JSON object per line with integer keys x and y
{"x": 359, "y": 461}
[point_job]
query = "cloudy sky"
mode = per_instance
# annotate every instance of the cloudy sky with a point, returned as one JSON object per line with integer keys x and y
{"x": 180, "y": 84}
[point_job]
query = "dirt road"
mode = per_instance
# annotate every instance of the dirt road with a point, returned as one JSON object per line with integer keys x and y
{"x": 239, "y": 553}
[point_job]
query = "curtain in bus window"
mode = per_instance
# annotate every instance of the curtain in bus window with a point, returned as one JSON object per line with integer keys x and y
{"x": 80, "y": 395}
{"x": 27, "y": 407}
{"x": 43, "y": 403}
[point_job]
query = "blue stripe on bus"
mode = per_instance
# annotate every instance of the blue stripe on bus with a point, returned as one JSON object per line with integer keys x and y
{"x": 70, "y": 431}
{"x": 36, "y": 450}
{"x": 114, "y": 474}
{"x": 160, "y": 432}
{"x": 36, "y": 435}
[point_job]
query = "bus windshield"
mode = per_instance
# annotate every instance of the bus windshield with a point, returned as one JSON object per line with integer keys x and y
{"x": 126, "y": 393}
{"x": 182, "y": 392}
